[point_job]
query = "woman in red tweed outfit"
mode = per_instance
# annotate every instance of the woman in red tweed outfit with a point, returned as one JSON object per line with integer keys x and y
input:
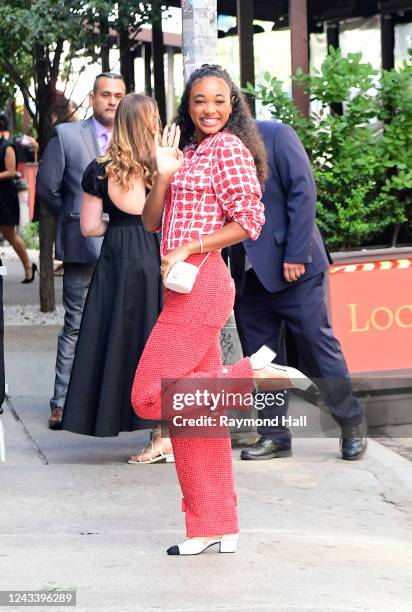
{"x": 204, "y": 199}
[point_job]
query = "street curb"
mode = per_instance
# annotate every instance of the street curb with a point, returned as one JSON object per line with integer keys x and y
{"x": 401, "y": 466}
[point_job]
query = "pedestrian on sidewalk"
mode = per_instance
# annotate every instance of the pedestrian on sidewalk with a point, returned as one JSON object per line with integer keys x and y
{"x": 70, "y": 150}
{"x": 9, "y": 200}
{"x": 124, "y": 298}
{"x": 205, "y": 198}
{"x": 280, "y": 279}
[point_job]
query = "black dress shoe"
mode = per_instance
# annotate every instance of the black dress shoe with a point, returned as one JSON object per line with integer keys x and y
{"x": 265, "y": 449}
{"x": 353, "y": 443}
{"x": 56, "y": 417}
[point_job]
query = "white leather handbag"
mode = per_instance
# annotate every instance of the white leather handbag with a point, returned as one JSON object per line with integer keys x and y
{"x": 182, "y": 276}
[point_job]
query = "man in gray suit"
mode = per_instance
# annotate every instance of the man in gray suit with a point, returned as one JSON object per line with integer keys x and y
{"x": 71, "y": 148}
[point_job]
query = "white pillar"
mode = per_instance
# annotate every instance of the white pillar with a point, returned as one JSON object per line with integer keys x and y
{"x": 199, "y": 24}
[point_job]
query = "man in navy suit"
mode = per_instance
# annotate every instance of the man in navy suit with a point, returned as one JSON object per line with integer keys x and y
{"x": 280, "y": 281}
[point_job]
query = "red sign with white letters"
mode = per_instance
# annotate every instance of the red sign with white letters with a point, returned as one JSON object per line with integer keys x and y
{"x": 371, "y": 311}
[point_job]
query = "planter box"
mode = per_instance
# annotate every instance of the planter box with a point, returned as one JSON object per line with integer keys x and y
{"x": 370, "y": 305}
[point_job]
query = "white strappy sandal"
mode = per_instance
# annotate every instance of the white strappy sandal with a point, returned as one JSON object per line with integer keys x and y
{"x": 159, "y": 455}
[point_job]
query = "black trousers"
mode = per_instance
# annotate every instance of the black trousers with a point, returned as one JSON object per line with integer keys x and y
{"x": 301, "y": 308}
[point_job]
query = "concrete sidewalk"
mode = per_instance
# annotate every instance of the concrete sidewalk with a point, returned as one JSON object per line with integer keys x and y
{"x": 318, "y": 534}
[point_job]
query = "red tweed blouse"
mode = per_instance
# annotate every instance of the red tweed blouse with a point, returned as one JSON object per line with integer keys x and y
{"x": 216, "y": 184}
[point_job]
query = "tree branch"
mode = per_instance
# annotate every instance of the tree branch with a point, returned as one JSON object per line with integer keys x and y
{"x": 18, "y": 80}
{"x": 54, "y": 70}
{"x": 130, "y": 42}
{"x": 27, "y": 96}
{"x": 74, "y": 87}
{"x": 68, "y": 74}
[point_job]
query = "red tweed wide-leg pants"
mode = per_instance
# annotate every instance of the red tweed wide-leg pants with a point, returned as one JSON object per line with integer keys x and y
{"x": 185, "y": 346}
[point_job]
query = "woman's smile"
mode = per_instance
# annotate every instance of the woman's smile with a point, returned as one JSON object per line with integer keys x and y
{"x": 210, "y": 106}
{"x": 209, "y": 121}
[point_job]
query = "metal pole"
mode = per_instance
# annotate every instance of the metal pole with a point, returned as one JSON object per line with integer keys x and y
{"x": 388, "y": 41}
{"x": 199, "y": 25}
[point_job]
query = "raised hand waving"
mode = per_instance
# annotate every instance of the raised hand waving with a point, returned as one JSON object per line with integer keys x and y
{"x": 169, "y": 158}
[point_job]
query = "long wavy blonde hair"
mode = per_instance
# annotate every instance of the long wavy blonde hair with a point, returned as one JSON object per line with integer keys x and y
{"x": 132, "y": 149}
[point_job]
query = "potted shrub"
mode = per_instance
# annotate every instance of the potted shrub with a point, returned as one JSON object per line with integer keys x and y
{"x": 361, "y": 157}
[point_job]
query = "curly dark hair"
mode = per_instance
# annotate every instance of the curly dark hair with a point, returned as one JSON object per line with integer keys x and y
{"x": 240, "y": 121}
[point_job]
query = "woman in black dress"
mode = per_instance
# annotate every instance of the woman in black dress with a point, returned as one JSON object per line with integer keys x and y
{"x": 9, "y": 201}
{"x": 124, "y": 298}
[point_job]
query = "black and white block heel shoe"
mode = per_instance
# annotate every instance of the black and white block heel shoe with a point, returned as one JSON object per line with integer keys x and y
{"x": 263, "y": 359}
{"x": 227, "y": 544}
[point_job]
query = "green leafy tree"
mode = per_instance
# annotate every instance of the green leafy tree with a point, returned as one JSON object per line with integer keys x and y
{"x": 45, "y": 36}
{"x": 396, "y": 144}
{"x": 36, "y": 31}
{"x": 358, "y": 155}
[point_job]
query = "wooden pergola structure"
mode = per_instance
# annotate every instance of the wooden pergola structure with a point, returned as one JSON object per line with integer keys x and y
{"x": 304, "y": 17}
